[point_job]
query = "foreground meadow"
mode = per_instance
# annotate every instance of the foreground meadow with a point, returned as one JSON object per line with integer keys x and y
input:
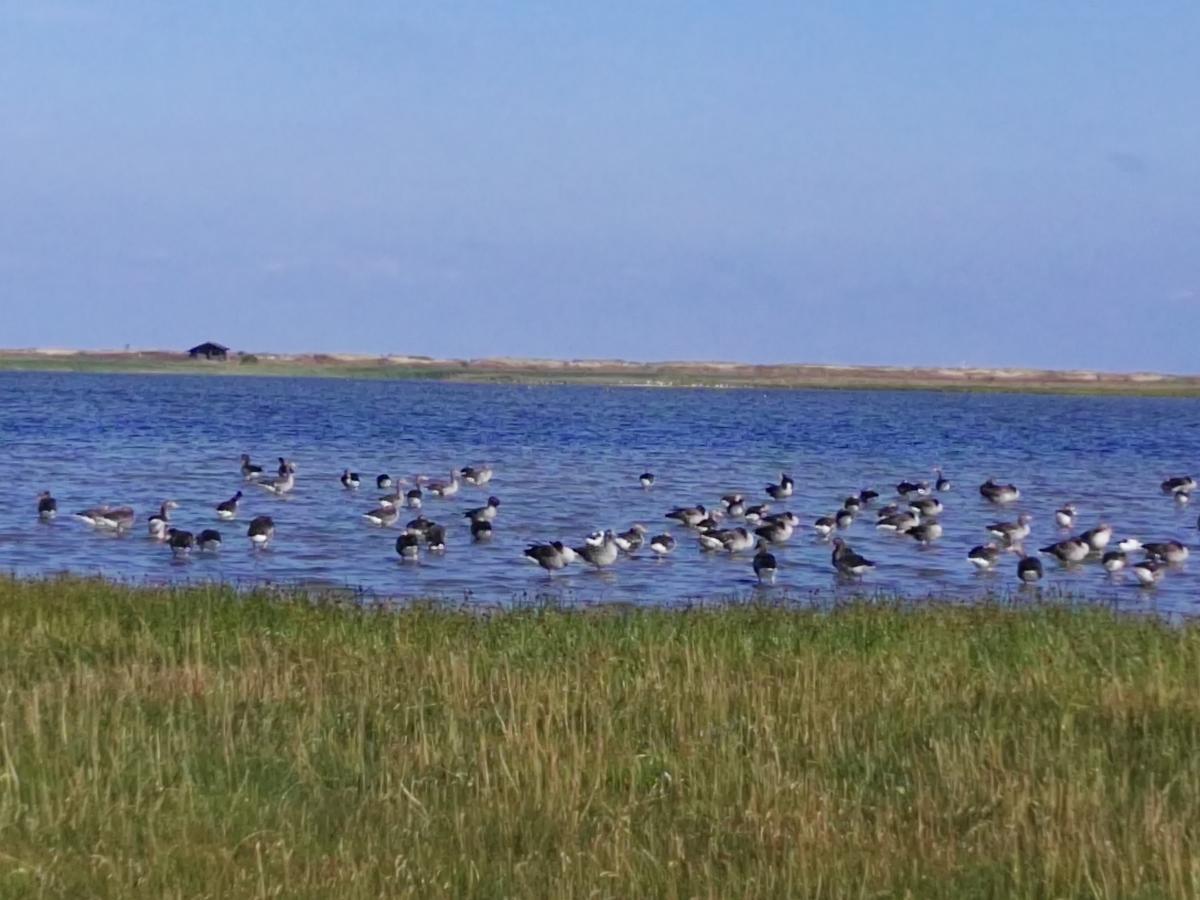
{"x": 192, "y": 743}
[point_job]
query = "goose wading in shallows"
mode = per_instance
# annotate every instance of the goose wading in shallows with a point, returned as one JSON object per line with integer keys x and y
{"x": 108, "y": 518}
{"x": 1148, "y": 572}
{"x": 993, "y": 492}
{"x": 408, "y": 545}
{"x": 159, "y": 523}
{"x": 485, "y": 513}
{"x": 1072, "y": 550}
{"x": 688, "y": 515}
{"x": 662, "y": 544}
{"x": 47, "y": 506}
{"x": 350, "y": 480}
{"x": 261, "y": 531}
{"x": 1029, "y": 569}
{"x": 228, "y": 509}
{"x": 180, "y": 541}
{"x": 631, "y": 541}
{"x": 444, "y": 488}
{"x": 784, "y": 489}
{"x": 984, "y": 557}
{"x": 476, "y": 475}
{"x": 250, "y": 472}
{"x": 1064, "y": 516}
{"x": 600, "y": 555}
{"x": 1179, "y": 484}
{"x": 646, "y": 479}
{"x": 384, "y": 516}
{"x": 209, "y": 540}
{"x": 847, "y": 562}
{"x": 551, "y": 557}
{"x": 1172, "y": 552}
{"x": 764, "y": 564}
{"x": 1012, "y": 533}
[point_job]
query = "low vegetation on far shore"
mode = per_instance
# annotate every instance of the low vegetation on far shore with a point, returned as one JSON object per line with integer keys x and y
{"x": 611, "y": 372}
{"x": 198, "y": 742}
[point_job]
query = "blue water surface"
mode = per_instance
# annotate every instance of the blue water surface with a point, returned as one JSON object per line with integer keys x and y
{"x": 567, "y": 460}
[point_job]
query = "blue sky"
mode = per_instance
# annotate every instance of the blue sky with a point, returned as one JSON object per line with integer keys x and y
{"x": 843, "y": 182}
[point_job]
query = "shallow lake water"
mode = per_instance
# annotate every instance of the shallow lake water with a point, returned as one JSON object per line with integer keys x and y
{"x": 567, "y": 461}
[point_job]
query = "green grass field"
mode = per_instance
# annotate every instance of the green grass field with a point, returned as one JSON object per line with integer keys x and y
{"x": 195, "y": 743}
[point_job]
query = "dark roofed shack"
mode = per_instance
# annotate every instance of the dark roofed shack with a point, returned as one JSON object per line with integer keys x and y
{"x": 209, "y": 350}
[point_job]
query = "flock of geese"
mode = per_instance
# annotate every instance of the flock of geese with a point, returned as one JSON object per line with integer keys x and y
{"x": 738, "y": 525}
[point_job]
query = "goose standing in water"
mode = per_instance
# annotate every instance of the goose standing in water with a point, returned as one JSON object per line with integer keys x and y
{"x": 942, "y": 483}
{"x": 1148, "y": 572}
{"x": 737, "y": 540}
{"x": 646, "y": 479}
{"x": 485, "y": 513}
{"x": 47, "y": 506}
{"x": 159, "y": 524}
{"x": 662, "y": 544}
{"x": 1012, "y": 533}
{"x": 926, "y": 532}
{"x": 107, "y": 518}
{"x": 844, "y": 519}
{"x": 477, "y": 476}
{"x": 550, "y": 557}
{"x": 1029, "y": 569}
{"x": 419, "y": 526}
{"x": 631, "y": 541}
{"x": 261, "y": 531}
{"x": 993, "y": 492}
{"x": 784, "y": 489}
{"x": 444, "y": 488}
{"x": 1070, "y": 551}
{"x": 408, "y": 545}
{"x": 690, "y": 516}
{"x": 824, "y": 526}
{"x": 1097, "y": 538}
{"x": 227, "y": 510}
{"x": 1064, "y": 516}
{"x": 847, "y": 562}
{"x": 900, "y": 523}
{"x": 383, "y": 482}
{"x": 435, "y": 538}
{"x": 758, "y": 512}
{"x": 285, "y": 483}
{"x": 735, "y": 505}
{"x": 927, "y": 506}
{"x": 602, "y": 554}
{"x": 350, "y": 480}
{"x": 1172, "y": 552}
{"x": 1114, "y": 560}
{"x": 904, "y": 488}
{"x": 209, "y": 540}
{"x": 1184, "y": 483}
{"x": 984, "y": 557}
{"x": 384, "y": 516}
{"x": 765, "y": 564}
{"x": 180, "y": 541}
{"x": 250, "y": 472}
{"x": 777, "y": 530}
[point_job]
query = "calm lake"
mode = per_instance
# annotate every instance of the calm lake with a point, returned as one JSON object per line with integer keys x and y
{"x": 567, "y": 461}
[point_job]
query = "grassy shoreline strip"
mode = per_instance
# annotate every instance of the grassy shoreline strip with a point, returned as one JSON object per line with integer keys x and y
{"x": 198, "y": 742}
{"x": 767, "y": 377}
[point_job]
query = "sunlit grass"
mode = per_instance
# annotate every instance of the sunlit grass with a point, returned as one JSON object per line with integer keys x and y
{"x": 199, "y": 743}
